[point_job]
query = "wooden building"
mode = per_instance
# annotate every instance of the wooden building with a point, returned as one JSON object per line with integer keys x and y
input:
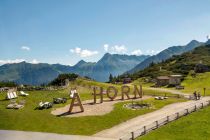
{"x": 162, "y": 81}
{"x": 173, "y": 80}
{"x": 127, "y": 80}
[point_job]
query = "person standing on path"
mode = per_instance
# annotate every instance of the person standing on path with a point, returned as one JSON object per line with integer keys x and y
{"x": 199, "y": 96}
{"x": 195, "y": 95}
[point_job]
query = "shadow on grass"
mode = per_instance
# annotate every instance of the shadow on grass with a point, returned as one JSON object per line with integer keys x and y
{"x": 68, "y": 113}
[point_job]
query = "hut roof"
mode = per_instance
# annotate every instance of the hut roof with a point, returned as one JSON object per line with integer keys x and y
{"x": 162, "y": 77}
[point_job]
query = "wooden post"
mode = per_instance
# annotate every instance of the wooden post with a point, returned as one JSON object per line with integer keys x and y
{"x": 168, "y": 119}
{"x": 202, "y": 105}
{"x": 156, "y": 124}
{"x": 76, "y": 98}
{"x": 195, "y": 107}
{"x": 145, "y": 130}
{"x": 177, "y": 117}
{"x": 187, "y": 111}
{"x": 132, "y": 135}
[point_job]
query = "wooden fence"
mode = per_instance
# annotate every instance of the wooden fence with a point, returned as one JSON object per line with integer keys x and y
{"x": 158, "y": 123}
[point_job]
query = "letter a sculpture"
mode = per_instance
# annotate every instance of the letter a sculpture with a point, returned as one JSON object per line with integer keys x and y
{"x": 75, "y": 101}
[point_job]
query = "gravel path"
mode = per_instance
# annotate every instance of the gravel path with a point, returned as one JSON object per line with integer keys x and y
{"x": 23, "y": 135}
{"x": 140, "y": 121}
{"x": 169, "y": 90}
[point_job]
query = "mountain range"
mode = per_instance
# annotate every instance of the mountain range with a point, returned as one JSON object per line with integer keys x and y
{"x": 165, "y": 54}
{"x": 36, "y": 74}
{"x": 115, "y": 64}
{"x": 197, "y": 59}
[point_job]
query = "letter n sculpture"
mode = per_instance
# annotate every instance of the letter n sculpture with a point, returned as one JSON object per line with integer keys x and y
{"x": 75, "y": 101}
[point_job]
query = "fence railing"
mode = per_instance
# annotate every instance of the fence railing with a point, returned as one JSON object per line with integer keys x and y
{"x": 158, "y": 123}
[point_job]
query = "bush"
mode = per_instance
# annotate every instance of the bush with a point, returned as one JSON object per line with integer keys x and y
{"x": 61, "y": 79}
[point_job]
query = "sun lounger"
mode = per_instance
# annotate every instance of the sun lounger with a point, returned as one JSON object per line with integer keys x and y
{"x": 11, "y": 106}
{"x": 45, "y": 105}
{"x": 22, "y": 93}
{"x": 59, "y": 100}
{"x": 15, "y": 94}
{"x": 14, "y": 105}
{"x": 11, "y": 95}
{"x": 8, "y": 95}
{"x": 18, "y": 106}
{"x": 160, "y": 98}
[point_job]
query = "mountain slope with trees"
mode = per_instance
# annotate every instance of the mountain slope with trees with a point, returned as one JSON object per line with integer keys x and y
{"x": 177, "y": 64}
{"x": 36, "y": 74}
{"x": 165, "y": 54}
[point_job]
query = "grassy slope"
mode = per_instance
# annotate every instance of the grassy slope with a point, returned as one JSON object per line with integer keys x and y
{"x": 197, "y": 84}
{"x": 180, "y": 64}
{"x": 29, "y": 119}
{"x": 195, "y": 126}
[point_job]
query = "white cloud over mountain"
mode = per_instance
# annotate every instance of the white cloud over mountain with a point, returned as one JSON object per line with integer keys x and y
{"x": 34, "y": 61}
{"x": 106, "y": 47}
{"x": 119, "y": 49}
{"x": 137, "y": 52}
{"x": 151, "y": 52}
{"x": 122, "y": 49}
{"x": 26, "y": 48}
{"x": 11, "y": 61}
{"x": 83, "y": 52}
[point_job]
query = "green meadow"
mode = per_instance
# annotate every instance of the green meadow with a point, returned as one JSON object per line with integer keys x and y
{"x": 198, "y": 83}
{"x": 195, "y": 126}
{"x": 29, "y": 119}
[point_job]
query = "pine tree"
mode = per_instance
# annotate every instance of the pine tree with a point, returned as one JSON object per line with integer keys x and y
{"x": 110, "y": 78}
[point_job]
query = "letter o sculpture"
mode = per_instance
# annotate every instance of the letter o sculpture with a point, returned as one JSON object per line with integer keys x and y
{"x": 109, "y": 90}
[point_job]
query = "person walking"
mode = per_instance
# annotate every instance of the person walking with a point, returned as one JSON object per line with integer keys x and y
{"x": 199, "y": 96}
{"x": 195, "y": 95}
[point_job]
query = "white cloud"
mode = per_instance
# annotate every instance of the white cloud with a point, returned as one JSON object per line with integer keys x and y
{"x": 34, "y": 61}
{"x": 106, "y": 47}
{"x": 152, "y": 52}
{"x": 26, "y": 48}
{"x": 208, "y": 37}
{"x": 2, "y": 62}
{"x": 83, "y": 53}
{"x": 137, "y": 52}
{"x": 119, "y": 49}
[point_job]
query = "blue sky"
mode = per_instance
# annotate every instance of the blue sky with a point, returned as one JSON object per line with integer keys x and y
{"x": 66, "y": 31}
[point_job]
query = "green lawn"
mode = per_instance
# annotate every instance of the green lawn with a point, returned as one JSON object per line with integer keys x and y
{"x": 197, "y": 84}
{"x": 195, "y": 126}
{"x": 28, "y": 119}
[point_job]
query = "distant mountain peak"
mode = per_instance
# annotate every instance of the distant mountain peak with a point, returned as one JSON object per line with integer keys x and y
{"x": 81, "y": 62}
{"x": 208, "y": 42}
{"x": 165, "y": 54}
{"x": 107, "y": 54}
{"x": 193, "y": 42}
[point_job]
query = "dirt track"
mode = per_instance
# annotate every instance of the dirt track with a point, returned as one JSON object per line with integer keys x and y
{"x": 131, "y": 125}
